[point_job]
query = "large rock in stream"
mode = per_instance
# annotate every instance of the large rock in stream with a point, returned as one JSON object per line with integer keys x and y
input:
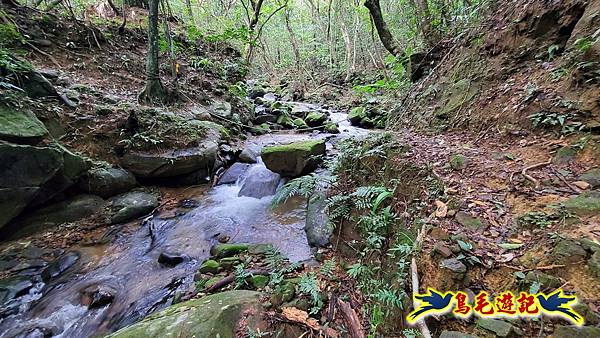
{"x": 218, "y": 315}
{"x": 317, "y": 228}
{"x": 294, "y": 159}
{"x": 260, "y": 182}
{"x": 107, "y": 182}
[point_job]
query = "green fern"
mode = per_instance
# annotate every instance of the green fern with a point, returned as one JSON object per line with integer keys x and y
{"x": 304, "y": 186}
{"x": 328, "y": 267}
{"x": 309, "y": 285}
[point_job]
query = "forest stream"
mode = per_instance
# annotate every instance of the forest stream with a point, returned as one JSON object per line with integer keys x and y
{"x": 128, "y": 270}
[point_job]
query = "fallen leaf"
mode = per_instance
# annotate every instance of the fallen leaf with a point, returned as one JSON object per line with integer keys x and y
{"x": 442, "y": 209}
{"x": 510, "y": 246}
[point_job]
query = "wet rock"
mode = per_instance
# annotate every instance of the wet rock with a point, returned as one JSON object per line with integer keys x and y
{"x": 97, "y": 296}
{"x": 71, "y": 210}
{"x": 317, "y": 228}
{"x": 107, "y": 182}
{"x": 564, "y": 155}
{"x": 256, "y": 93}
{"x": 567, "y": 251}
{"x": 468, "y": 221}
{"x": 36, "y": 85}
{"x": 14, "y": 287}
{"x": 6, "y": 265}
{"x": 260, "y": 182}
{"x": 332, "y": 128}
{"x": 315, "y": 119}
{"x": 356, "y": 115}
{"x": 32, "y": 265}
{"x": 216, "y": 315}
{"x": 171, "y": 259}
{"x": 59, "y": 266}
{"x": 222, "y": 250}
{"x": 576, "y": 331}
{"x": 209, "y": 266}
{"x": 499, "y": 327}
{"x": 592, "y": 177}
{"x": 455, "y": 266}
{"x": 130, "y": 205}
{"x": 248, "y": 155}
{"x": 299, "y": 123}
{"x": 20, "y": 126}
{"x": 587, "y": 203}
{"x": 73, "y": 167}
{"x": 458, "y": 162}
{"x": 23, "y": 171}
{"x": 546, "y": 280}
{"x": 442, "y": 249}
{"x": 294, "y": 159}
{"x": 265, "y": 118}
{"x": 456, "y": 334}
{"x": 221, "y": 108}
{"x": 229, "y": 262}
{"x": 234, "y": 172}
{"x": 594, "y": 264}
{"x": 32, "y": 252}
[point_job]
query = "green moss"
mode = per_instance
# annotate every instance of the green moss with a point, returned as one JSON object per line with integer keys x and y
{"x": 357, "y": 114}
{"x": 299, "y": 123}
{"x": 587, "y": 203}
{"x": 228, "y": 250}
{"x": 18, "y": 125}
{"x": 9, "y": 35}
{"x": 458, "y": 162}
{"x": 259, "y": 281}
{"x": 331, "y": 128}
{"x": 564, "y": 155}
{"x": 306, "y": 146}
{"x": 209, "y": 266}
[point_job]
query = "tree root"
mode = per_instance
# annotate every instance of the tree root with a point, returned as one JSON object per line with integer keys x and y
{"x": 529, "y": 177}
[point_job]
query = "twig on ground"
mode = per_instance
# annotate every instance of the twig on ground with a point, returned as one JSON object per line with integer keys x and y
{"x": 534, "y": 166}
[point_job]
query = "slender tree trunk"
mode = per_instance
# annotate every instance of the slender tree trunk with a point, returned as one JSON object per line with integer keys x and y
{"x": 382, "y": 30}
{"x": 153, "y": 92}
{"x": 293, "y": 40}
{"x": 188, "y": 6}
{"x": 430, "y": 36}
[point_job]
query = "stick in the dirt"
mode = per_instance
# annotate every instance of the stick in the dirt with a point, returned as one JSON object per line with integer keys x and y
{"x": 415, "y": 277}
{"x": 351, "y": 318}
{"x": 533, "y": 180}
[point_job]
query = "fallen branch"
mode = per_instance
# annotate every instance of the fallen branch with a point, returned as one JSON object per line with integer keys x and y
{"x": 351, "y": 319}
{"x": 564, "y": 180}
{"x": 231, "y": 277}
{"x": 415, "y": 276}
{"x": 530, "y": 178}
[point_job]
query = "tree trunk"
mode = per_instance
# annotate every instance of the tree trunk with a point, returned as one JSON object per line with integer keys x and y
{"x": 154, "y": 92}
{"x": 188, "y": 5}
{"x": 292, "y": 39}
{"x": 382, "y": 30}
{"x": 430, "y": 36}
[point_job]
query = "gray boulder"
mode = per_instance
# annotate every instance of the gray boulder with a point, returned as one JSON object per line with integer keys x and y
{"x": 171, "y": 163}
{"x": 317, "y": 228}
{"x": 249, "y": 155}
{"x": 130, "y": 205}
{"x": 69, "y": 210}
{"x": 592, "y": 177}
{"x": 107, "y": 182}
{"x": 234, "y": 172}
{"x": 294, "y": 159}
{"x": 260, "y": 182}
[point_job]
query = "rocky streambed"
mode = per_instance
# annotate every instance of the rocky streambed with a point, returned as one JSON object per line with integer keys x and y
{"x": 100, "y": 287}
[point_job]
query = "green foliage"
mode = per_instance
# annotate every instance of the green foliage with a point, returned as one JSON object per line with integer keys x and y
{"x": 583, "y": 44}
{"x": 309, "y": 285}
{"x": 279, "y": 266}
{"x": 546, "y": 119}
{"x": 11, "y": 64}
{"x": 304, "y": 186}
{"x": 552, "y": 51}
{"x": 240, "y": 274}
{"x": 9, "y": 35}
{"x": 238, "y": 89}
{"x": 328, "y": 267}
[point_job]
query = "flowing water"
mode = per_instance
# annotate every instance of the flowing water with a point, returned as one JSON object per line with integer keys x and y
{"x": 128, "y": 268}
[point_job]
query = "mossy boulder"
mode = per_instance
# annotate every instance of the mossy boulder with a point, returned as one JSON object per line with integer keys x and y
{"x": 285, "y": 120}
{"x": 499, "y": 327}
{"x": 567, "y": 251}
{"x": 259, "y": 281}
{"x": 20, "y": 126}
{"x": 222, "y": 250}
{"x": 564, "y": 155}
{"x": 332, "y": 128}
{"x": 217, "y": 315}
{"x": 107, "y": 182}
{"x": 209, "y": 266}
{"x": 594, "y": 264}
{"x": 299, "y": 123}
{"x": 585, "y": 204}
{"x": 294, "y": 159}
{"x": 458, "y": 162}
{"x": 592, "y": 177}
{"x": 546, "y": 280}
{"x": 356, "y": 115}
{"x": 317, "y": 227}
{"x": 315, "y": 119}
{"x": 576, "y": 331}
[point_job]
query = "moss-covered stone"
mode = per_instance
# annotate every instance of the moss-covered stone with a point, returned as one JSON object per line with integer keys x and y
{"x": 594, "y": 264}
{"x": 299, "y": 123}
{"x": 332, "y": 128}
{"x": 211, "y": 316}
{"x": 315, "y": 119}
{"x": 20, "y": 126}
{"x": 212, "y": 281}
{"x": 458, "y": 162}
{"x": 585, "y": 204}
{"x": 228, "y": 263}
{"x": 564, "y": 155}
{"x": 592, "y": 177}
{"x": 356, "y": 114}
{"x": 546, "y": 280}
{"x": 576, "y": 331}
{"x": 567, "y": 251}
{"x": 294, "y": 159}
{"x": 468, "y": 221}
{"x": 228, "y": 249}
{"x": 283, "y": 293}
{"x": 257, "y": 249}
{"x": 209, "y": 266}
{"x": 499, "y": 327}
{"x": 285, "y": 120}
